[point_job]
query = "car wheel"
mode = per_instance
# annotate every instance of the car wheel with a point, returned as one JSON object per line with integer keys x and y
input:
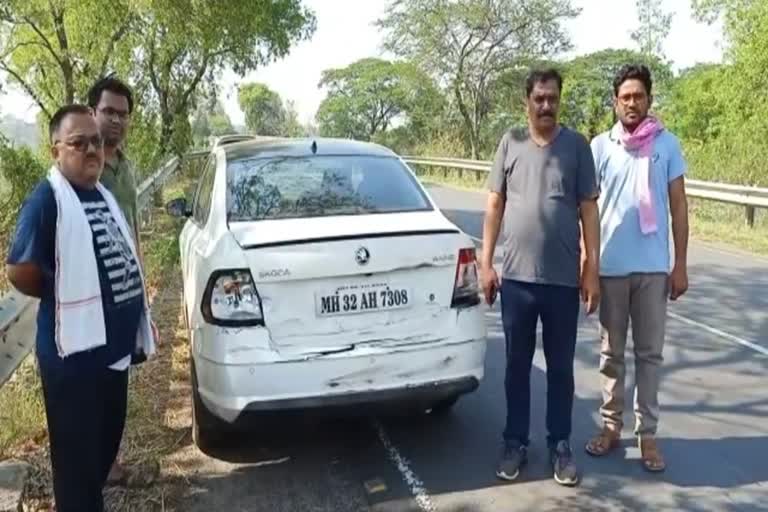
{"x": 207, "y": 431}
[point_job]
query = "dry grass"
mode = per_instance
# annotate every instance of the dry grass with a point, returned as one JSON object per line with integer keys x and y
{"x": 709, "y": 221}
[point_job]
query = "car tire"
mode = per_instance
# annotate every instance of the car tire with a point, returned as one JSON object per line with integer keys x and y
{"x": 207, "y": 431}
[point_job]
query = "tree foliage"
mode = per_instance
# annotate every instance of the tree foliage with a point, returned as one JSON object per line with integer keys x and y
{"x": 55, "y": 50}
{"x": 368, "y": 96}
{"x": 263, "y": 109}
{"x": 653, "y": 29}
{"x": 171, "y": 51}
{"x": 466, "y": 45}
{"x": 185, "y": 42}
{"x": 209, "y": 119}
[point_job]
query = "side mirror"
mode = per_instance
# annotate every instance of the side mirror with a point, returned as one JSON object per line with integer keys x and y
{"x": 178, "y": 208}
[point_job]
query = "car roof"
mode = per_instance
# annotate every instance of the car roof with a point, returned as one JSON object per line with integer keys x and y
{"x": 270, "y": 147}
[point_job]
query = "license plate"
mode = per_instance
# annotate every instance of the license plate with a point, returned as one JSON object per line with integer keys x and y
{"x": 364, "y": 298}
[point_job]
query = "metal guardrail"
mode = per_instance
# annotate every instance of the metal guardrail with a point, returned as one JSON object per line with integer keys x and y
{"x": 18, "y": 312}
{"x": 750, "y": 198}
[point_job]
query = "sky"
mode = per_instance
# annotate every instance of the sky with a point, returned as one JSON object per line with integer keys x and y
{"x": 345, "y": 34}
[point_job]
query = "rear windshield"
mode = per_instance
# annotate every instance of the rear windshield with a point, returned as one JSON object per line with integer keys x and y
{"x": 318, "y": 186}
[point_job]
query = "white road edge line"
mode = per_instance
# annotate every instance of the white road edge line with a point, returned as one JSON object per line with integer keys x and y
{"x": 409, "y": 477}
{"x": 718, "y": 332}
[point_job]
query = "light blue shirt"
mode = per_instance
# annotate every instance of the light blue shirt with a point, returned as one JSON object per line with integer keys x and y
{"x": 624, "y": 249}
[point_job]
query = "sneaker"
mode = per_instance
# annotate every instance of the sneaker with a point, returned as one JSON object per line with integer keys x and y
{"x": 514, "y": 457}
{"x": 563, "y": 466}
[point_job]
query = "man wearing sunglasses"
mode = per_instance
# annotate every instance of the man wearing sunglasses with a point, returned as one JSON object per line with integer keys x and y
{"x": 73, "y": 249}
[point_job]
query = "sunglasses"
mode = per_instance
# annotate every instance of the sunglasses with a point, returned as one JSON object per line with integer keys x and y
{"x": 81, "y": 143}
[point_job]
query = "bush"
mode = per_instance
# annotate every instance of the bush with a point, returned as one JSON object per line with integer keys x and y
{"x": 20, "y": 171}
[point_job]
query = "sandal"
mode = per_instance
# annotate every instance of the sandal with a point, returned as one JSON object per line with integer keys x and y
{"x": 604, "y": 442}
{"x": 650, "y": 455}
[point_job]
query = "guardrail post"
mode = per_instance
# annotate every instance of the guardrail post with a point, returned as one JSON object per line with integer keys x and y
{"x": 749, "y": 212}
{"x": 157, "y": 196}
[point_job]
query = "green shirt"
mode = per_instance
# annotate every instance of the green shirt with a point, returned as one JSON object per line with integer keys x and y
{"x": 119, "y": 178}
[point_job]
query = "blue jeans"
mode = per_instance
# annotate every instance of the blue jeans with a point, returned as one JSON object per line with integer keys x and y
{"x": 85, "y": 412}
{"x": 522, "y": 304}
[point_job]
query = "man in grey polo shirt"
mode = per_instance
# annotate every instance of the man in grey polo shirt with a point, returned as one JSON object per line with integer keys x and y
{"x": 543, "y": 185}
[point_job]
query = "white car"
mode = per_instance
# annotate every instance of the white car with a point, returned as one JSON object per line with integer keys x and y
{"x": 319, "y": 272}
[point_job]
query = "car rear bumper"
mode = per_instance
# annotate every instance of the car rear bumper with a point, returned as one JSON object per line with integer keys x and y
{"x": 416, "y": 373}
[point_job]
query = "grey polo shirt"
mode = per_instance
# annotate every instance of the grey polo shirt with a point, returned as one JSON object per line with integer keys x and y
{"x": 543, "y": 187}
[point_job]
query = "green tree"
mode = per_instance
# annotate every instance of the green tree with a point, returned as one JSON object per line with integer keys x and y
{"x": 188, "y": 43}
{"x": 263, "y": 109}
{"x": 653, "y": 29}
{"x": 738, "y": 153}
{"x": 210, "y": 119}
{"x": 697, "y": 108}
{"x": 466, "y": 45}
{"x": 169, "y": 50}
{"x": 55, "y": 50}
{"x": 367, "y": 96}
{"x": 291, "y": 125}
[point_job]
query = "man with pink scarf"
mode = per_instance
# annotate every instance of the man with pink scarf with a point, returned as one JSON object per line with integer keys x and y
{"x": 640, "y": 172}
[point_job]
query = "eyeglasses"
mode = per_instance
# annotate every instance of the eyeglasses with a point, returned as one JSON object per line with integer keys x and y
{"x": 111, "y": 113}
{"x": 81, "y": 143}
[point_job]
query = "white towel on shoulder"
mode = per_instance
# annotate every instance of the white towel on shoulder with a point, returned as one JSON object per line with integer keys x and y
{"x": 79, "y": 311}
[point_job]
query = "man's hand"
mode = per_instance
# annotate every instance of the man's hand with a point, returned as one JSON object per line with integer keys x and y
{"x": 155, "y": 332}
{"x": 678, "y": 281}
{"x": 27, "y": 278}
{"x": 590, "y": 289}
{"x": 490, "y": 283}
{"x": 590, "y": 262}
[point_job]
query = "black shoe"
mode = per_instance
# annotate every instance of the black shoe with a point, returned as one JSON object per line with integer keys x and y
{"x": 513, "y": 457}
{"x": 563, "y": 465}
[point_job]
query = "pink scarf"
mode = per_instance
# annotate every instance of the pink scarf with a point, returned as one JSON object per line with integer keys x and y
{"x": 642, "y": 139}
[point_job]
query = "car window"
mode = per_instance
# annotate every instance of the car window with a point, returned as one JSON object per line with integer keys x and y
{"x": 203, "y": 198}
{"x": 317, "y": 186}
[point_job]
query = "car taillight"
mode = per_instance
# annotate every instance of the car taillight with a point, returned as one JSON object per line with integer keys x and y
{"x": 466, "y": 288}
{"x": 231, "y": 300}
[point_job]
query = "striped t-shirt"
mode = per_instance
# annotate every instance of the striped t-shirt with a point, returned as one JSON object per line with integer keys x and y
{"x": 115, "y": 254}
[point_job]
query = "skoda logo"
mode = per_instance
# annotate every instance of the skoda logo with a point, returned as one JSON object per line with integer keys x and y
{"x": 362, "y": 256}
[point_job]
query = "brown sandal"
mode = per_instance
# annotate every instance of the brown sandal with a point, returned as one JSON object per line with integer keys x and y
{"x": 650, "y": 455}
{"x": 604, "y": 442}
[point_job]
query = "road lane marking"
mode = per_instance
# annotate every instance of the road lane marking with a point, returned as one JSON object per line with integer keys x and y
{"x": 718, "y": 332}
{"x": 409, "y": 477}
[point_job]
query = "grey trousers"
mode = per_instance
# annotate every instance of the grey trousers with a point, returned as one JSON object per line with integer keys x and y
{"x": 641, "y": 298}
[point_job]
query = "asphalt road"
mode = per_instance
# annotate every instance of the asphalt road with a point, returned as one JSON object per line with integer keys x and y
{"x": 714, "y": 425}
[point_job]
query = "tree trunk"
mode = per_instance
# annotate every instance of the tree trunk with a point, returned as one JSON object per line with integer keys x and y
{"x": 468, "y": 125}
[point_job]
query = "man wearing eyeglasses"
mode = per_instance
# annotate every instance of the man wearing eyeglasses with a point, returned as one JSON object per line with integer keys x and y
{"x": 73, "y": 250}
{"x": 112, "y": 104}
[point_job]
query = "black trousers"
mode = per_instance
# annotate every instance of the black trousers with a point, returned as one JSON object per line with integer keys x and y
{"x": 522, "y": 304}
{"x": 86, "y": 417}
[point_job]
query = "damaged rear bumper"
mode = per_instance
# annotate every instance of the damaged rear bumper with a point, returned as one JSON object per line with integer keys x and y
{"x": 420, "y": 373}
